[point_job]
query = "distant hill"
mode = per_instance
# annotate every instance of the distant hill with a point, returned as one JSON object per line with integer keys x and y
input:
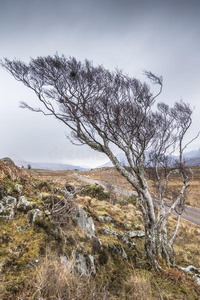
{"x": 193, "y": 153}
{"x": 192, "y": 158}
{"x": 193, "y": 161}
{"x": 48, "y": 165}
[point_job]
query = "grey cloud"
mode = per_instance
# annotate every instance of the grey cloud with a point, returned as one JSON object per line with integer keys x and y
{"x": 157, "y": 35}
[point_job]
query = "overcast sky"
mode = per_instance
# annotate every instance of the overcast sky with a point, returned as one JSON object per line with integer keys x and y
{"x": 158, "y": 35}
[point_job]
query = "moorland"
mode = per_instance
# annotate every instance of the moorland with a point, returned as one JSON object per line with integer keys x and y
{"x": 44, "y": 255}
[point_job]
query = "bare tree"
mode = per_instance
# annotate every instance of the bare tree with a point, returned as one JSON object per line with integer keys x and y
{"x": 104, "y": 108}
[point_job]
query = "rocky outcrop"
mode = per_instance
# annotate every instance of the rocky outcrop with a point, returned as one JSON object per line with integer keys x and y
{"x": 137, "y": 233}
{"x": 85, "y": 222}
{"x": 7, "y": 159}
{"x": 19, "y": 188}
{"x": 105, "y": 218}
{"x": 119, "y": 250}
{"x": 25, "y": 205}
{"x": 193, "y": 271}
{"x": 7, "y": 205}
{"x": 84, "y": 265}
{"x": 126, "y": 237}
{"x": 107, "y": 231}
{"x": 80, "y": 264}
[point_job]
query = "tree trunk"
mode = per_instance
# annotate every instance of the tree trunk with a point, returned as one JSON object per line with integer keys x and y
{"x": 151, "y": 244}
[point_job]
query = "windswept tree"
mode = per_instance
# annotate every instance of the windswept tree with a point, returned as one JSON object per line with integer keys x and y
{"x": 103, "y": 109}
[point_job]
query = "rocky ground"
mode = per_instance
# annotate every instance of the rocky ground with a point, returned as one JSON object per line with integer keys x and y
{"x": 66, "y": 242}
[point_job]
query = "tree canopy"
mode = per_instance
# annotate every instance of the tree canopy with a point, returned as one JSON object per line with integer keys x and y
{"x": 104, "y": 108}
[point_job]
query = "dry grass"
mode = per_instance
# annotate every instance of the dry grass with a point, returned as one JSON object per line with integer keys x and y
{"x": 57, "y": 177}
{"x": 138, "y": 287}
{"x": 187, "y": 244}
{"x": 116, "y": 278}
{"x": 56, "y": 281}
{"x": 112, "y": 177}
{"x": 108, "y": 176}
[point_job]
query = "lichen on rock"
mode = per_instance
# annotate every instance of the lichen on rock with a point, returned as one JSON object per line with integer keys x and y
{"x": 85, "y": 222}
{"x": 25, "y": 205}
{"x": 7, "y": 205}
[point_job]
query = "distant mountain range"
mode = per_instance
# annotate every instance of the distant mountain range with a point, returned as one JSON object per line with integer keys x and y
{"x": 48, "y": 166}
{"x": 192, "y": 158}
{"x": 193, "y": 161}
{"x": 193, "y": 153}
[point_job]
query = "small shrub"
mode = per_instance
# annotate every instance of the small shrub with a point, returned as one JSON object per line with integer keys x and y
{"x": 103, "y": 257}
{"x": 132, "y": 199}
{"x": 95, "y": 191}
{"x": 43, "y": 186}
{"x": 2, "y": 191}
{"x": 96, "y": 245}
{"x": 71, "y": 240}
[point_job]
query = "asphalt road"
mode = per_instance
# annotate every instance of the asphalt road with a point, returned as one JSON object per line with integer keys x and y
{"x": 191, "y": 214}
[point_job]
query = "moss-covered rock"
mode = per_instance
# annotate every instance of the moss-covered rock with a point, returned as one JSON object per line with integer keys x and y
{"x": 7, "y": 206}
{"x": 85, "y": 222}
{"x": 25, "y": 205}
